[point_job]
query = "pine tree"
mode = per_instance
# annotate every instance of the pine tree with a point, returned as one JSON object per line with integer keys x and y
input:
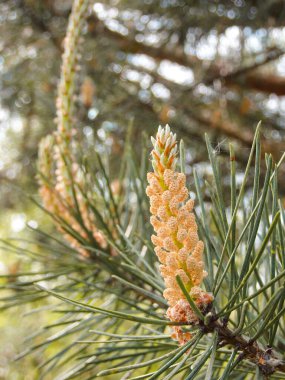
{"x": 120, "y": 315}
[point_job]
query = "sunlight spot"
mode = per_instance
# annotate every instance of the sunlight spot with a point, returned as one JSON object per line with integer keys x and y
{"x": 18, "y": 222}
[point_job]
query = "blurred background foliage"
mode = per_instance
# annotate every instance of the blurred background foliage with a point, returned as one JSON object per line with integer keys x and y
{"x": 201, "y": 66}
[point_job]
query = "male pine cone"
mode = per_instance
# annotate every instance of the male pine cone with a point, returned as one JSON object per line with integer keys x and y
{"x": 177, "y": 244}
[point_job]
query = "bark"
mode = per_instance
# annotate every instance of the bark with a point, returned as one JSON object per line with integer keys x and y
{"x": 266, "y": 359}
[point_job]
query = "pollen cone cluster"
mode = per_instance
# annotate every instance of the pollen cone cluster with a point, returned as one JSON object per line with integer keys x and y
{"x": 59, "y": 171}
{"x": 177, "y": 244}
{"x": 57, "y": 199}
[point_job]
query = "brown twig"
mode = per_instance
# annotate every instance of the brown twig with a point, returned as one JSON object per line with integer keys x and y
{"x": 266, "y": 359}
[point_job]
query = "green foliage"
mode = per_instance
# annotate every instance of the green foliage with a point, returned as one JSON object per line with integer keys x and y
{"x": 106, "y": 308}
{"x": 109, "y": 312}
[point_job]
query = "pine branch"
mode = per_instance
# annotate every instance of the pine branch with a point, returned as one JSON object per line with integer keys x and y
{"x": 266, "y": 359}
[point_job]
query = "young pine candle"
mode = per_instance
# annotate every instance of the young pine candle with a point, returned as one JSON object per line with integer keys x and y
{"x": 176, "y": 241}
